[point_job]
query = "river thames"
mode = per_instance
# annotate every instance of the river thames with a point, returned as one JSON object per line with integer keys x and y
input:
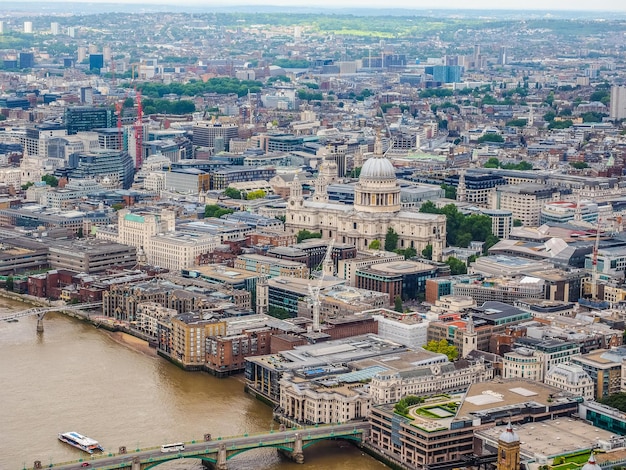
{"x": 111, "y": 387}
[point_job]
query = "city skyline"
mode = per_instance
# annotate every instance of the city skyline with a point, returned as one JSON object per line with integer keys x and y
{"x": 531, "y": 5}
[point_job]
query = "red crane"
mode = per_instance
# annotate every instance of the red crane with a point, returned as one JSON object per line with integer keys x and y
{"x": 138, "y": 133}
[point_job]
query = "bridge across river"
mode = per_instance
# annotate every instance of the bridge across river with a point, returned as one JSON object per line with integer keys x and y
{"x": 216, "y": 453}
{"x": 40, "y": 312}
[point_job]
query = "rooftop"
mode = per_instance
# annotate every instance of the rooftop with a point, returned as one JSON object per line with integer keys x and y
{"x": 553, "y": 437}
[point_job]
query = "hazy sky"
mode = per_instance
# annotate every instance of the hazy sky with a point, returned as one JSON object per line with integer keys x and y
{"x": 598, "y": 5}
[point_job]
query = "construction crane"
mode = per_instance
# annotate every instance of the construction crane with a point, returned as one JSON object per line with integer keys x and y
{"x": 594, "y": 264}
{"x": 314, "y": 292}
{"x": 138, "y": 127}
{"x": 391, "y": 139}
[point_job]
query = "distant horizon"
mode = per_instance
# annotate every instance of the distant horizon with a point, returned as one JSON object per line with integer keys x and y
{"x": 600, "y": 6}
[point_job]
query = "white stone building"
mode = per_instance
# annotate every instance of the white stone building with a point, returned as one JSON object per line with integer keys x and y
{"x": 408, "y": 329}
{"x": 389, "y": 387}
{"x": 376, "y": 209}
{"x": 315, "y": 403}
{"x": 571, "y": 378}
{"x": 154, "y": 234}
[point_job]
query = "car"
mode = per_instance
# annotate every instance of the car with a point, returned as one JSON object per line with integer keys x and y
{"x": 85, "y": 464}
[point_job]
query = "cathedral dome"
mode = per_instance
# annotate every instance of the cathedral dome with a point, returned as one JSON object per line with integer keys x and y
{"x": 509, "y": 436}
{"x": 377, "y": 168}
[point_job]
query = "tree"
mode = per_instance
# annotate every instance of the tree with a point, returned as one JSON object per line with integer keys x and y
{"x": 428, "y": 252}
{"x": 442, "y": 347}
{"x": 356, "y": 172}
{"x": 517, "y": 223}
{"x": 456, "y": 266}
{"x": 517, "y": 122}
{"x": 278, "y": 312}
{"x": 561, "y": 124}
{"x": 493, "y": 162}
{"x": 27, "y": 185}
{"x": 213, "y": 210}
{"x": 258, "y": 194}
{"x": 9, "y": 283}
{"x": 549, "y": 116}
{"x": 495, "y": 138}
{"x": 410, "y": 252}
{"x": 79, "y": 233}
{"x": 450, "y": 191}
{"x": 305, "y": 235}
{"x": 391, "y": 240}
{"x": 397, "y": 304}
{"x": 117, "y": 206}
{"x": 50, "y": 180}
{"x": 617, "y": 400}
{"x": 579, "y": 165}
{"x": 375, "y": 245}
{"x": 232, "y": 193}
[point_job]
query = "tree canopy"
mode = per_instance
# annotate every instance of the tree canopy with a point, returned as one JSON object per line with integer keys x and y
{"x": 213, "y": 210}
{"x": 305, "y": 235}
{"x": 221, "y": 86}
{"x": 391, "y": 240}
{"x": 456, "y": 266}
{"x": 494, "y": 138}
{"x": 442, "y": 347}
{"x": 258, "y": 194}
{"x": 617, "y": 400}
{"x": 375, "y": 245}
{"x": 462, "y": 229}
{"x": 50, "y": 180}
{"x": 232, "y": 193}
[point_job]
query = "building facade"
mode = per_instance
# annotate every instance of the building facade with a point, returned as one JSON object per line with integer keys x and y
{"x": 376, "y": 211}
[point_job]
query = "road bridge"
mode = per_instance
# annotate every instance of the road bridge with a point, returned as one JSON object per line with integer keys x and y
{"x": 40, "y": 312}
{"x": 216, "y": 453}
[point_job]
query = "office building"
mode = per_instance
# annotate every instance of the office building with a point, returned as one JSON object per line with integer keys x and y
{"x": 55, "y": 28}
{"x": 604, "y": 366}
{"x": 96, "y": 62}
{"x": 618, "y": 102}
{"x": 154, "y": 234}
{"x": 525, "y": 201}
{"x": 571, "y": 378}
{"x": 27, "y": 60}
{"x": 264, "y": 373}
{"x": 110, "y": 168}
{"x": 90, "y": 256}
{"x": 205, "y": 133}
{"x": 28, "y": 27}
{"x": 447, "y": 73}
{"x": 87, "y": 118}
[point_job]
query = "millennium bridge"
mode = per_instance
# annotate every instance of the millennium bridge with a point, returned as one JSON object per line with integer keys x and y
{"x": 40, "y": 312}
{"x": 216, "y": 453}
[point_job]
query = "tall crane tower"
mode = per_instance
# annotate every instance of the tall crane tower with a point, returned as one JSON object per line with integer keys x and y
{"x": 594, "y": 264}
{"x": 314, "y": 292}
{"x": 138, "y": 127}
